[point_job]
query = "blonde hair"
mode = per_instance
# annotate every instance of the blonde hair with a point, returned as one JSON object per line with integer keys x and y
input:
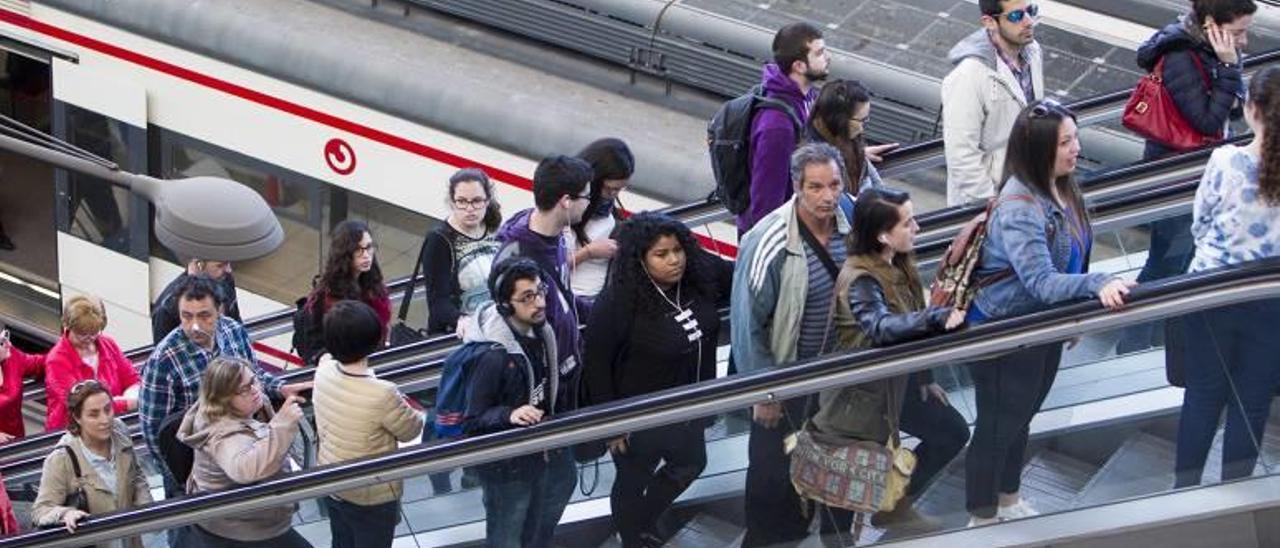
{"x": 84, "y": 314}
{"x": 219, "y": 384}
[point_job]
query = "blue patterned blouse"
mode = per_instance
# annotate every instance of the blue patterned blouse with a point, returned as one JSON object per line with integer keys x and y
{"x": 1232, "y": 223}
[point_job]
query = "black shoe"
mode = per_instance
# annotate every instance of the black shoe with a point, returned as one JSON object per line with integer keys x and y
{"x": 5, "y": 243}
{"x": 651, "y": 540}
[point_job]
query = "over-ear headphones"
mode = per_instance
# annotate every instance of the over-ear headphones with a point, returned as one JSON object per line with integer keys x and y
{"x": 498, "y": 279}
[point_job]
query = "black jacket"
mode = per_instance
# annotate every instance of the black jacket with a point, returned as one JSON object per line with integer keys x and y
{"x": 1206, "y": 107}
{"x": 446, "y": 257}
{"x": 502, "y": 379}
{"x": 633, "y": 349}
{"x": 164, "y": 313}
{"x": 883, "y": 327}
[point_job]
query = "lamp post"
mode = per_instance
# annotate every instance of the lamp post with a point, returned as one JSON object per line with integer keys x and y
{"x": 205, "y": 217}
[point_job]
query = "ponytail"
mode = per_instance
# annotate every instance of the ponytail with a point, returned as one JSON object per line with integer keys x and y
{"x": 1264, "y": 95}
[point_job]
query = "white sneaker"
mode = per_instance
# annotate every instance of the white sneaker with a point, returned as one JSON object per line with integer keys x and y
{"x": 975, "y": 521}
{"x": 1016, "y": 511}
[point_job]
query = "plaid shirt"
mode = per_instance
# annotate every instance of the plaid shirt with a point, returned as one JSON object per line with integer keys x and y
{"x": 171, "y": 376}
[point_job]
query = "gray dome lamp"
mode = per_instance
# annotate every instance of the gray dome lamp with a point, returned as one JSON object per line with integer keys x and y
{"x": 205, "y": 217}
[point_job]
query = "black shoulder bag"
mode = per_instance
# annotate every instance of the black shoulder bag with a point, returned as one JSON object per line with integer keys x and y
{"x": 401, "y": 333}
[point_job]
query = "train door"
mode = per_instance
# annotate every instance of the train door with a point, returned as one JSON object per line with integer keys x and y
{"x": 28, "y": 243}
{"x": 103, "y": 232}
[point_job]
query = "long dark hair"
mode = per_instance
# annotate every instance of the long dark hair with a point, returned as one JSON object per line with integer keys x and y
{"x": 875, "y": 213}
{"x": 628, "y": 278}
{"x": 339, "y": 278}
{"x": 1033, "y": 153}
{"x": 1264, "y": 95}
{"x": 830, "y": 121}
{"x": 492, "y": 212}
{"x": 610, "y": 159}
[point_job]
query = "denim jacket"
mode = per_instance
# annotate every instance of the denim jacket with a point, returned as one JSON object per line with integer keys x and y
{"x": 1017, "y": 237}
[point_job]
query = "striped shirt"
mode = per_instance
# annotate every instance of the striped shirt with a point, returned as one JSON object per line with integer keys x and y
{"x": 815, "y": 325}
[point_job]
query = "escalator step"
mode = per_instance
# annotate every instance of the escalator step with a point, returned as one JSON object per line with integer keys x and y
{"x": 1142, "y": 465}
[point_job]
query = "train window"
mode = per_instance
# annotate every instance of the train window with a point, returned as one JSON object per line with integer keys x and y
{"x": 297, "y": 200}
{"x": 96, "y": 210}
{"x": 400, "y": 234}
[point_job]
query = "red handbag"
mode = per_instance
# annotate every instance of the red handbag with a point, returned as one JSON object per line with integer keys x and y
{"x": 1152, "y": 114}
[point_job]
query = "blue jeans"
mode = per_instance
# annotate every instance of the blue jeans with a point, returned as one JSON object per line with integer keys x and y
{"x": 1234, "y": 369}
{"x": 357, "y": 526}
{"x": 523, "y": 500}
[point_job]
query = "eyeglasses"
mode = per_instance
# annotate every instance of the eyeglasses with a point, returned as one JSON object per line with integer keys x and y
{"x": 532, "y": 296}
{"x": 863, "y": 120}
{"x": 1043, "y": 107}
{"x": 586, "y": 196}
{"x": 249, "y": 389}
{"x": 1016, "y": 16}
{"x": 368, "y": 249}
{"x": 85, "y": 385}
{"x": 474, "y": 203}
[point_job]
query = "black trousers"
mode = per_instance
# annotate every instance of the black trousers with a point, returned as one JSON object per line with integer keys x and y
{"x": 774, "y": 512}
{"x": 1009, "y": 390}
{"x": 658, "y": 466}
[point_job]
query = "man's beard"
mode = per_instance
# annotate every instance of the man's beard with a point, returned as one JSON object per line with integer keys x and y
{"x": 814, "y": 76}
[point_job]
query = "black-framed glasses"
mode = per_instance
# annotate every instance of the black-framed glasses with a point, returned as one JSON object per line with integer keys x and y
{"x": 862, "y": 121}
{"x": 369, "y": 249}
{"x": 532, "y": 296}
{"x": 1016, "y": 16}
{"x": 473, "y": 203}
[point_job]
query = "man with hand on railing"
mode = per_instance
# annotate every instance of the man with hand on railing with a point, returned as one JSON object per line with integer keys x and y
{"x": 515, "y": 385}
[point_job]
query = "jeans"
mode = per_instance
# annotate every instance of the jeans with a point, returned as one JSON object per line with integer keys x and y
{"x": 942, "y": 432}
{"x": 1172, "y": 248}
{"x": 196, "y": 537}
{"x": 658, "y": 465}
{"x": 523, "y": 506}
{"x": 357, "y": 526}
{"x": 1009, "y": 390}
{"x": 1234, "y": 368}
{"x": 774, "y": 512}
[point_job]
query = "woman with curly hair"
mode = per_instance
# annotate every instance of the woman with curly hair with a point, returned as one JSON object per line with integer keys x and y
{"x": 654, "y": 326}
{"x": 593, "y": 247}
{"x": 351, "y": 272}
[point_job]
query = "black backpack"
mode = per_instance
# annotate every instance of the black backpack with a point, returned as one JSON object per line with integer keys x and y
{"x": 308, "y": 328}
{"x": 178, "y": 457}
{"x": 729, "y": 142}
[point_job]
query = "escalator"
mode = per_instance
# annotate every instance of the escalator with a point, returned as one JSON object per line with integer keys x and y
{"x": 1122, "y": 200}
{"x": 706, "y": 510}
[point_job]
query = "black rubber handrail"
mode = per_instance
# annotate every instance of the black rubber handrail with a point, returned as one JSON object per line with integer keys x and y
{"x": 873, "y": 363}
{"x": 34, "y": 446}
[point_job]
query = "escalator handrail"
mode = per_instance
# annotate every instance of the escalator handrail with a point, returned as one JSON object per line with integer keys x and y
{"x": 923, "y": 249}
{"x": 1186, "y": 293}
{"x": 1112, "y": 99}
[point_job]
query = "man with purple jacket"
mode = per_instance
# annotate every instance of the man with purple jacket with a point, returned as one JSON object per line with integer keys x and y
{"x": 560, "y": 197}
{"x": 800, "y": 59}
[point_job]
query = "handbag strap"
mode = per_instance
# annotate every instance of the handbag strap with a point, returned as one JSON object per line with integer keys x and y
{"x": 413, "y": 280}
{"x": 819, "y": 250}
{"x": 75, "y": 463}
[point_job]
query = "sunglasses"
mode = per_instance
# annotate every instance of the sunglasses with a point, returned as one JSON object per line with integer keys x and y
{"x": 85, "y": 385}
{"x": 1016, "y": 16}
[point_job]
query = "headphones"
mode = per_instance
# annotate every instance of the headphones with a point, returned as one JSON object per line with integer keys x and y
{"x": 499, "y": 276}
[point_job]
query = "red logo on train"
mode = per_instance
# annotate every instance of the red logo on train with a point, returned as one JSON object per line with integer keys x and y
{"x": 340, "y": 156}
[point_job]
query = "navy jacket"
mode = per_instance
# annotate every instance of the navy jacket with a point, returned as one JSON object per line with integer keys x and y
{"x": 1207, "y": 108}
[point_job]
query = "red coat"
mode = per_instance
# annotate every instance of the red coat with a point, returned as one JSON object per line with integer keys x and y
{"x": 381, "y": 306}
{"x": 65, "y": 369}
{"x": 20, "y": 365}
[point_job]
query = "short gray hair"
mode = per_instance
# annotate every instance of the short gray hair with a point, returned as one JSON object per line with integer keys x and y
{"x": 815, "y": 154}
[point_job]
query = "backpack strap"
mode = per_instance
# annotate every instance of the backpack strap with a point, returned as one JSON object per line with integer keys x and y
{"x": 1050, "y": 232}
{"x": 764, "y": 101}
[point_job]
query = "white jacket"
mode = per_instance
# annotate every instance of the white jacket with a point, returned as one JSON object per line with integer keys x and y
{"x": 980, "y": 101}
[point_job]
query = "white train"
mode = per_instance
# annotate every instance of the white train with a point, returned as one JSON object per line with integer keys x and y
{"x": 167, "y": 110}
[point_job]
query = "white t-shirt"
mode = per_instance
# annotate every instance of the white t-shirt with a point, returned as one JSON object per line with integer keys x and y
{"x": 587, "y": 279}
